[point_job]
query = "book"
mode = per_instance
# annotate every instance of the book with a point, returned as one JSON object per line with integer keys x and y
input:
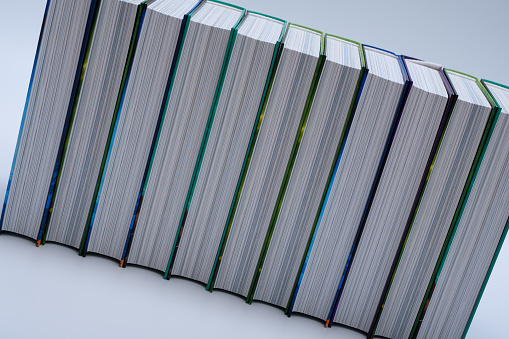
{"x": 188, "y": 114}
{"x": 410, "y": 157}
{"x": 445, "y": 183}
{"x": 251, "y": 67}
{"x": 139, "y": 112}
{"x": 266, "y": 159}
{"x": 477, "y": 234}
{"x": 298, "y": 71}
{"x": 54, "y": 84}
{"x": 304, "y": 189}
{"x": 108, "y": 61}
{"x": 356, "y": 173}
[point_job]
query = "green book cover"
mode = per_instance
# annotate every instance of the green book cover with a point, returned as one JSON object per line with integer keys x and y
{"x": 459, "y": 210}
{"x": 219, "y": 87}
{"x": 353, "y": 105}
{"x": 263, "y": 104}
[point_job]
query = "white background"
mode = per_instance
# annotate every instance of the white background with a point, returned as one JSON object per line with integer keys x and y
{"x": 51, "y": 292}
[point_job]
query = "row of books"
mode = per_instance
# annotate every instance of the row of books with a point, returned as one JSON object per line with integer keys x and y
{"x": 267, "y": 159}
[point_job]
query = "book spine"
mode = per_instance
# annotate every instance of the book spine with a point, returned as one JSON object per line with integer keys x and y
{"x": 459, "y": 210}
{"x": 406, "y": 91}
{"x": 254, "y": 134}
{"x": 24, "y": 112}
{"x": 452, "y": 97}
{"x": 78, "y": 81}
{"x": 176, "y": 57}
{"x": 196, "y": 171}
{"x": 332, "y": 173}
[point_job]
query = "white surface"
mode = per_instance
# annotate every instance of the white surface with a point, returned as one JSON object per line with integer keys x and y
{"x": 52, "y": 293}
